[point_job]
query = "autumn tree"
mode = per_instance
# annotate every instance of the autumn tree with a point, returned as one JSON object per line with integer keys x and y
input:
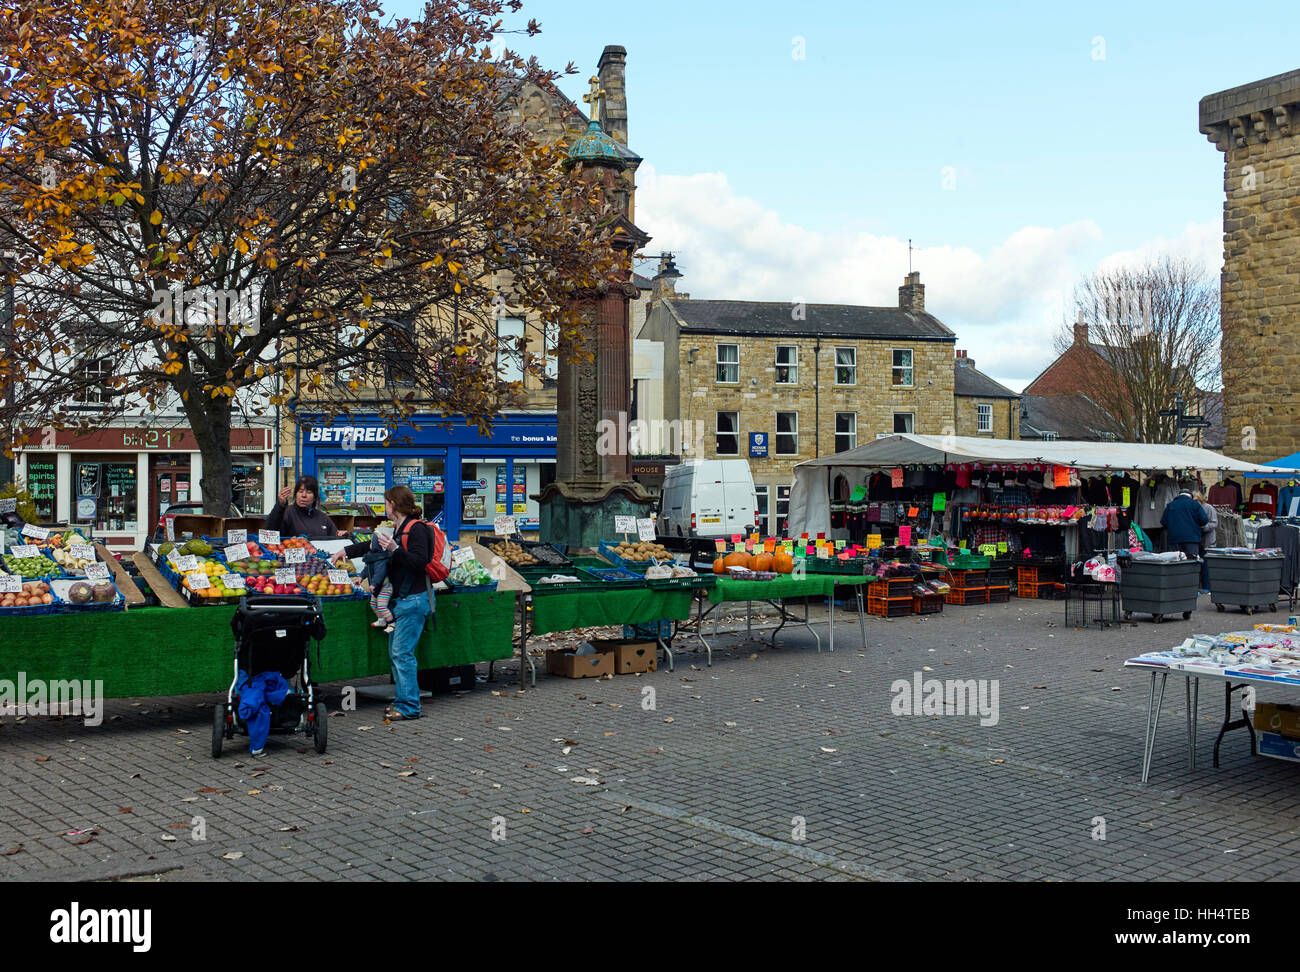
{"x": 1152, "y": 334}
{"x": 224, "y": 207}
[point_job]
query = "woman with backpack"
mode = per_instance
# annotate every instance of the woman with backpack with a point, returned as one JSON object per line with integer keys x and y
{"x": 412, "y": 598}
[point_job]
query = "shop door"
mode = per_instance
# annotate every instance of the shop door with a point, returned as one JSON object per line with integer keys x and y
{"x": 169, "y": 485}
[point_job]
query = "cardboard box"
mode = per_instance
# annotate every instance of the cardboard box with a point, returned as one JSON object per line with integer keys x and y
{"x": 569, "y": 664}
{"x": 1279, "y": 747}
{"x": 631, "y": 655}
{"x": 1281, "y": 719}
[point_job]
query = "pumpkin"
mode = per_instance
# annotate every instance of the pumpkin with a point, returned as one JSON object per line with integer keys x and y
{"x": 761, "y": 561}
{"x": 782, "y": 562}
{"x": 719, "y": 566}
{"x": 737, "y": 559}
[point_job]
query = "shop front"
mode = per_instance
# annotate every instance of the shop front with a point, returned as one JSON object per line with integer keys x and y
{"x": 115, "y": 482}
{"x": 461, "y": 480}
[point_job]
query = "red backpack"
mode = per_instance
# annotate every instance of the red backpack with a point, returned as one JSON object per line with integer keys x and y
{"x": 439, "y": 565}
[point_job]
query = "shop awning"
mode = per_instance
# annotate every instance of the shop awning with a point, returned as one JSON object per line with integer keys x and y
{"x": 810, "y": 495}
{"x": 1278, "y": 467}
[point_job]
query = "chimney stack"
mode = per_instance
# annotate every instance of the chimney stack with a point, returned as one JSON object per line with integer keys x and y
{"x": 613, "y": 107}
{"x": 664, "y": 283}
{"x": 911, "y": 296}
{"x": 1080, "y": 330}
{"x": 964, "y": 360}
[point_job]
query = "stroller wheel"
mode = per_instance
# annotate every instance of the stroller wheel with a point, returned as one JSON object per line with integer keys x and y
{"x": 218, "y": 728}
{"x": 320, "y": 727}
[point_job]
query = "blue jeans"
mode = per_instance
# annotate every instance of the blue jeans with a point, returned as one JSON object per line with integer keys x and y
{"x": 409, "y": 613}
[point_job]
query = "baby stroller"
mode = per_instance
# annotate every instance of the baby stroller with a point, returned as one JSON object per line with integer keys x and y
{"x": 272, "y": 633}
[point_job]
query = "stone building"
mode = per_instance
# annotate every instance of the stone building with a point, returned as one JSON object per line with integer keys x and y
{"x": 778, "y": 383}
{"x": 1257, "y": 128}
{"x": 982, "y": 406}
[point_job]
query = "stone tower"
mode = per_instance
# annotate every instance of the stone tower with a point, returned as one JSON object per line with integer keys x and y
{"x": 1257, "y": 128}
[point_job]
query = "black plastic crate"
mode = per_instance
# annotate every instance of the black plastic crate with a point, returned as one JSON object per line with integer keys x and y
{"x": 440, "y": 681}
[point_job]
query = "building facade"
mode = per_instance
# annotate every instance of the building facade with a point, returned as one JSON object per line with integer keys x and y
{"x": 982, "y": 406}
{"x": 1257, "y": 128}
{"x": 778, "y": 383}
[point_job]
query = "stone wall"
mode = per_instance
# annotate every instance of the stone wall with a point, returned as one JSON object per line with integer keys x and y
{"x": 1257, "y": 128}
{"x": 1004, "y": 410}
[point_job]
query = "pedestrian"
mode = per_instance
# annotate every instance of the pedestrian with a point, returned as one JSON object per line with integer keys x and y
{"x": 1209, "y": 537}
{"x": 412, "y": 603}
{"x": 1182, "y": 520}
{"x": 302, "y": 517}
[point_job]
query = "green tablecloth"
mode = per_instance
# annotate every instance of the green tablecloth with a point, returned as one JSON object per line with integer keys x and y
{"x": 586, "y": 609}
{"x": 811, "y": 585}
{"x": 165, "y": 651}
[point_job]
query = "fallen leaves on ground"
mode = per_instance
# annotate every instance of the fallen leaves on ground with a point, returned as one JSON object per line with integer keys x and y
{"x": 232, "y": 856}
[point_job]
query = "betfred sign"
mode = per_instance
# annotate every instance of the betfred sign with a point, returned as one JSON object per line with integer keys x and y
{"x": 348, "y": 433}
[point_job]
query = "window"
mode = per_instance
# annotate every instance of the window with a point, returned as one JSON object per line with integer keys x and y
{"x": 728, "y": 434}
{"x": 729, "y": 363}
{"x": 984, "y": 415}
{"x": 902, "y": 421}
{"x": 902, "y": 372}
{"x": 846, "y": 431}
{"x": 846, "y": 366}
{"x": 399, "y": 351}
{"x": 1049, "y": 436}
{"x": 764, "y": 519}
{"x": 550, "y": 349}
{"x": 782, "y": 511}
{"x": 787, "y": 364}
{"x": 95, "y": 372}
{"x": 787, "y": 433}
{"x": 510, "y": 360}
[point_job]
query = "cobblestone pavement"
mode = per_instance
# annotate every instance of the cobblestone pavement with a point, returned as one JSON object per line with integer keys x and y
{"x": 714, "y": 783}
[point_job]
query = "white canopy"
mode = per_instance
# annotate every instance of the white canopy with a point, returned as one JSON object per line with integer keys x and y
{"x": 810, "y": 497}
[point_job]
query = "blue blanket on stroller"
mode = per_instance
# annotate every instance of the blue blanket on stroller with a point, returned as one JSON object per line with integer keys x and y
{"x": 256, "y": 696}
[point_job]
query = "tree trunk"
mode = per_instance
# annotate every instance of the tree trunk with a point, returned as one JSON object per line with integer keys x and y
{"x": 211, "y": 424}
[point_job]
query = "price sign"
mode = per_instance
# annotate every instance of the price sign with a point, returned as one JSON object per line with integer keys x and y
{"x": 749, "y": 546}
{"x": 186, "y": 564}
{"x": 236, "y": 536}
{"x": 171, "y": 528}
{"x": 295, "y": 555}
{"x": 285, "y": 575}
{"x": 198, "y": 581}
{"x": 788, "y": 545}
{"x": 233, "y": 580}
{"x": 839, "y": 544}
{"x": 645, "y": 529}
{"x": 874, "y": 541}
{"x": 720, "y": 545}
{"x": 504, "y": 526}
{"x": 460, "y": 556}
{"x": 824, "y": 553}
{"x": 738, "y": 547}
{"x": 624, "y": 524}
{"x": 268, "y": 536}
{"x": 25, "y": 550}
{"x": 8, "y": 506}
{"x": 769, "y": 545}
{"x": 339, "y": 578}
{"x": 10, "y": 584}
{"x": 239, "y": 552}
{"x": 913, "y": 510}
{"x": 735, "y": 538}
{"x": 82, "y": 551}
{"x": 35, "y": 532}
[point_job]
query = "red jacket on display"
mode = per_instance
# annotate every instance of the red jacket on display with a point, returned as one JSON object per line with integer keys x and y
{"x": 1263, "y": 499}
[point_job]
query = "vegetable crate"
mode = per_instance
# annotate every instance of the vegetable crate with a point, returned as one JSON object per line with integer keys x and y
{"x": 967, "y": 595}
{"x": 892, "y": 588}
{"x": 927, "y": 603}
{"x": 970, "y": 580}
{"x": 889, "y": 607}
{"x": 1047, "y": 590}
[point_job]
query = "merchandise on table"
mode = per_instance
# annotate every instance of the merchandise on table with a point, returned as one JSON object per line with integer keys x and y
{"x": 471, "y": 574}
{"x": 34, "y": 597}
{"x": 33, "y": 568}
{"x": 513, "y": 554}
{"x": 640, "y": 552}
{"x": 80, "y": 595}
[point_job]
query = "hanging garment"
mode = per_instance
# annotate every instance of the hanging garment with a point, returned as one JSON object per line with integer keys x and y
{"x": 1225, "y": 494}
{"x": 1287, "y": 538}
{"x": 1152, "y": 501}
{"x": 1250, "y": 531}
{"x": 1263, "y": 499}
{"x": 1284, "y": 497}
{"x": 1229, "y": 532}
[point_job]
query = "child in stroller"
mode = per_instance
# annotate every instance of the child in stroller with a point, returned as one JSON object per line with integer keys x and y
{"x": 272, "y": 635}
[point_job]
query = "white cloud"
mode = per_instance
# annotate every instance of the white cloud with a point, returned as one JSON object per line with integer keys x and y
{"x": 1004, "y": 305}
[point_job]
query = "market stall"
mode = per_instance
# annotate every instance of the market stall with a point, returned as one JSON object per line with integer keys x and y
{"x": 1267, "y": 655}
{"x": 1034, "y": 499}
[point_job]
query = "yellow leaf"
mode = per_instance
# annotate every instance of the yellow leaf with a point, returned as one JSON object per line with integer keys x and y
{"x": 456, "y": 288}
{"x": 155, "y": 218}
{"x": 272, "y": 262}
{"x": 437, "y": 260}
{"x": 366, "y": 300}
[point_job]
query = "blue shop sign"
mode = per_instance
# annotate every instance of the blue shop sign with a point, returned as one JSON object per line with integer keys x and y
{"x": 758, "y": 444}
{"x": 473, "y": 484}
{"x": 539, "y": 432}
{"x": 425, "y": 484}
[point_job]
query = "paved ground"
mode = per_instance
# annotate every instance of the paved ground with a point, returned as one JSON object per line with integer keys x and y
{"x": 714, "y": 783}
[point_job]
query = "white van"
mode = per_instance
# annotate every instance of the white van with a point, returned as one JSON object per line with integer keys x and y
{"x": 707, "y": 498}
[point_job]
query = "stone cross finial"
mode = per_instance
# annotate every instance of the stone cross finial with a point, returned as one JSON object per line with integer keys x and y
{"x": 593, "y": 97}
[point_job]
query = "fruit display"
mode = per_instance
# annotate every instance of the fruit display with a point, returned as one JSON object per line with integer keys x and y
{"x": 60, "y": 541}
{"x": 199, "y": 548}
{"x": 290, "y": 543}
{"x": 641, "y": 552}
{"x": 513, "y": 554}
{"x": 318, "y": 582}
{"x": 216, "y": 586}
{"x": 253, "y": 566}
{"x": 265, "y": 584}
{"x": 782, "y": 562}
{"x": 30, "y": 567}
{"x": 33, "y": 594}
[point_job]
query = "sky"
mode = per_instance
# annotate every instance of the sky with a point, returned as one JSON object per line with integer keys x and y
{"x": 792, "y": 149}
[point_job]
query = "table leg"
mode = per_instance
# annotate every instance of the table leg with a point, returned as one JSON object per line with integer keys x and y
{"x": 1153, "y": 720}
{"x": 780, "y": 607}
{"x": 814, "y": 633}
{"x": 1196, "y": 702}
{"x": 831, "y": 626}
{"x": 700, "y": 615}
{"x": 862, "y": 616}
{"x": 1191, "y": 726}
{"x": 668, "y": 652}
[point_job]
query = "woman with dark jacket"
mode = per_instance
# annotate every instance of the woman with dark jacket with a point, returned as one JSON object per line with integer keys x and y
{"x": 302, "y": 518}
{"x": 412, "y": 600}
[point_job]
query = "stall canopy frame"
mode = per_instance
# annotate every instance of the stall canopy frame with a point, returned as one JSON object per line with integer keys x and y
{"x": 810, "y": 495}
